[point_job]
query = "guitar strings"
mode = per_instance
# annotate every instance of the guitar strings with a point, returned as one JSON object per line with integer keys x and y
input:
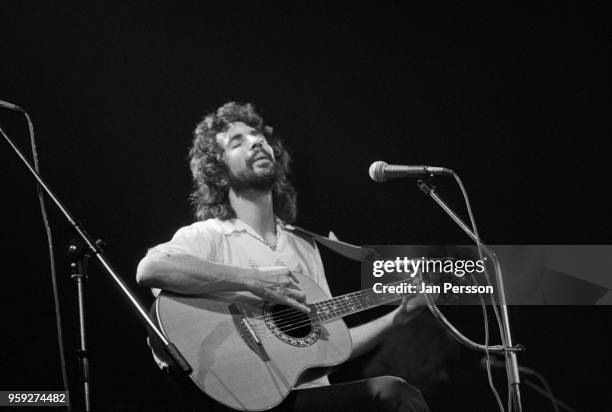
{"x": 325, "y": 306}
{"x": 343, "y": 305}
{"x": 296, "y": 315}
{"x": 297, "y": 326}
{"x": 342, "y": 298}
{"x": 340, "y": 305}
{"x": 336, "y": 299}
{"x": 349, "y": 301}
{"x": 345, "y": 302}
{"x": 285, "y": 320}
{"x": 263, "y": 328}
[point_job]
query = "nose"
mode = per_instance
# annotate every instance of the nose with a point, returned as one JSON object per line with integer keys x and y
{"x": 257, "y": 141}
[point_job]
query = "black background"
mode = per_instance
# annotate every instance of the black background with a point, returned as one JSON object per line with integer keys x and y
{"x": 514, "y": 98}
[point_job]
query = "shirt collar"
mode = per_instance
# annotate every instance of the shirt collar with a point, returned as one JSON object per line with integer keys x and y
{"x": 236, "y": 225}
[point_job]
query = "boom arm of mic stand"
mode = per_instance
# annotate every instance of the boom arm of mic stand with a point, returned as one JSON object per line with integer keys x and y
{"x": 511, "y": 362}
{"x": 95, "y": 250}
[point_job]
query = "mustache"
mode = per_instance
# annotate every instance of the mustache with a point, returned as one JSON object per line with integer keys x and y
{"x": 260, "y": 154}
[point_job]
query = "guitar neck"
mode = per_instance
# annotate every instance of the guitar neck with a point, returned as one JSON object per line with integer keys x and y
{"x": 350, "y": 303}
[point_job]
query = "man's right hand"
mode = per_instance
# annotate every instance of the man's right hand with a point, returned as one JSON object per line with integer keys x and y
{"x": 277, "y": 284}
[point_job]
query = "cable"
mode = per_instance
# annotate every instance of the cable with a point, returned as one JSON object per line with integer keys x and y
{"x": 43, "y": 210}
{"x": 493, "y": 302}
{"x": 487, "y": 352}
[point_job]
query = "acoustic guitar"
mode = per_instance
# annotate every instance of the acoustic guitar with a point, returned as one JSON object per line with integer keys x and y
{"x": 247, "y": 353}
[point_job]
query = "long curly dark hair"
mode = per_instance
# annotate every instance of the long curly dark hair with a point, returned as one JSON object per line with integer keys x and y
{"x": 211, "y": 174}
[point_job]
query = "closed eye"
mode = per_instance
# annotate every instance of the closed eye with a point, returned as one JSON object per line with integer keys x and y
{"x": 236, "y": 141}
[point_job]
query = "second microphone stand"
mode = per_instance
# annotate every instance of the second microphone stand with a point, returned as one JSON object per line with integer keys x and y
{"x": 78, "y": 257}
{"x": 95, "y": 250}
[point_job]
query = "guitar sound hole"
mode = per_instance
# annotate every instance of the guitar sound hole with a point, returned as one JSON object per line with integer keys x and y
{"x": 290, "y": 321}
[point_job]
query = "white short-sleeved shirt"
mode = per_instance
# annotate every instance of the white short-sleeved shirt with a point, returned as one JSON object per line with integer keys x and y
{"x": 233, "y": 242}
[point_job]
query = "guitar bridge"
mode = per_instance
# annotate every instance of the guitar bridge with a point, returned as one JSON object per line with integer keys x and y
{"x": 247, "y": 333}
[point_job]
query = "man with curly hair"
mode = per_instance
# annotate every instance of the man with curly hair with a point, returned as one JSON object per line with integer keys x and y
{"x": 243, "y": 241}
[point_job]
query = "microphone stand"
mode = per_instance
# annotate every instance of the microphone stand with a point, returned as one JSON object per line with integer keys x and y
{"x": 78, "y": 257}
{"x": 510, "y": 351}
{"x": 95, "y": 249}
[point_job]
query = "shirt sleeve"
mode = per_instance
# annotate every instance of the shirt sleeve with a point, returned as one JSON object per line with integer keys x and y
{"x": 197, "y": 239}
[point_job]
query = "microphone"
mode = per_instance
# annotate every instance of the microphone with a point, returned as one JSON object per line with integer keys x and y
{"x": 381, "y": 171}
{"x": 11, "y": 106}
{"x": 496, "y": 363}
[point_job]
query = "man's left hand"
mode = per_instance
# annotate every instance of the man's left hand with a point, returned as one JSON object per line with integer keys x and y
{"x": 410, "y": 307}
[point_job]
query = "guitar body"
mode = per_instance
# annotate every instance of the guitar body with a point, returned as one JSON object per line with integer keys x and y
{"x": 246, "y": 353}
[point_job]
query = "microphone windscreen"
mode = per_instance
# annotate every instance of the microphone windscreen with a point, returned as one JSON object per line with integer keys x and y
{"x": 377, "y": 171}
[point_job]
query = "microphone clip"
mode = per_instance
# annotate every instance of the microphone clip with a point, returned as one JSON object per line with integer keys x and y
{"x": 425, "y": 185}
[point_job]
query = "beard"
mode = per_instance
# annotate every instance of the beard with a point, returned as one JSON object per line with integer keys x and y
{"x": 249, "y": 179}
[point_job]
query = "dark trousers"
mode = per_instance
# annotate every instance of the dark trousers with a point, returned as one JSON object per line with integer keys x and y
{"x": 383, "y": 393}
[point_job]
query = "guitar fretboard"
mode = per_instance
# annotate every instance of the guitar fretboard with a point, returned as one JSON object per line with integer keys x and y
{"x": 350, "y": 303}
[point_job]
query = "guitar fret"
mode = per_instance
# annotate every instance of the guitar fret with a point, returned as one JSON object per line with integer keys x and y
{"x": 341, "y": 306}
